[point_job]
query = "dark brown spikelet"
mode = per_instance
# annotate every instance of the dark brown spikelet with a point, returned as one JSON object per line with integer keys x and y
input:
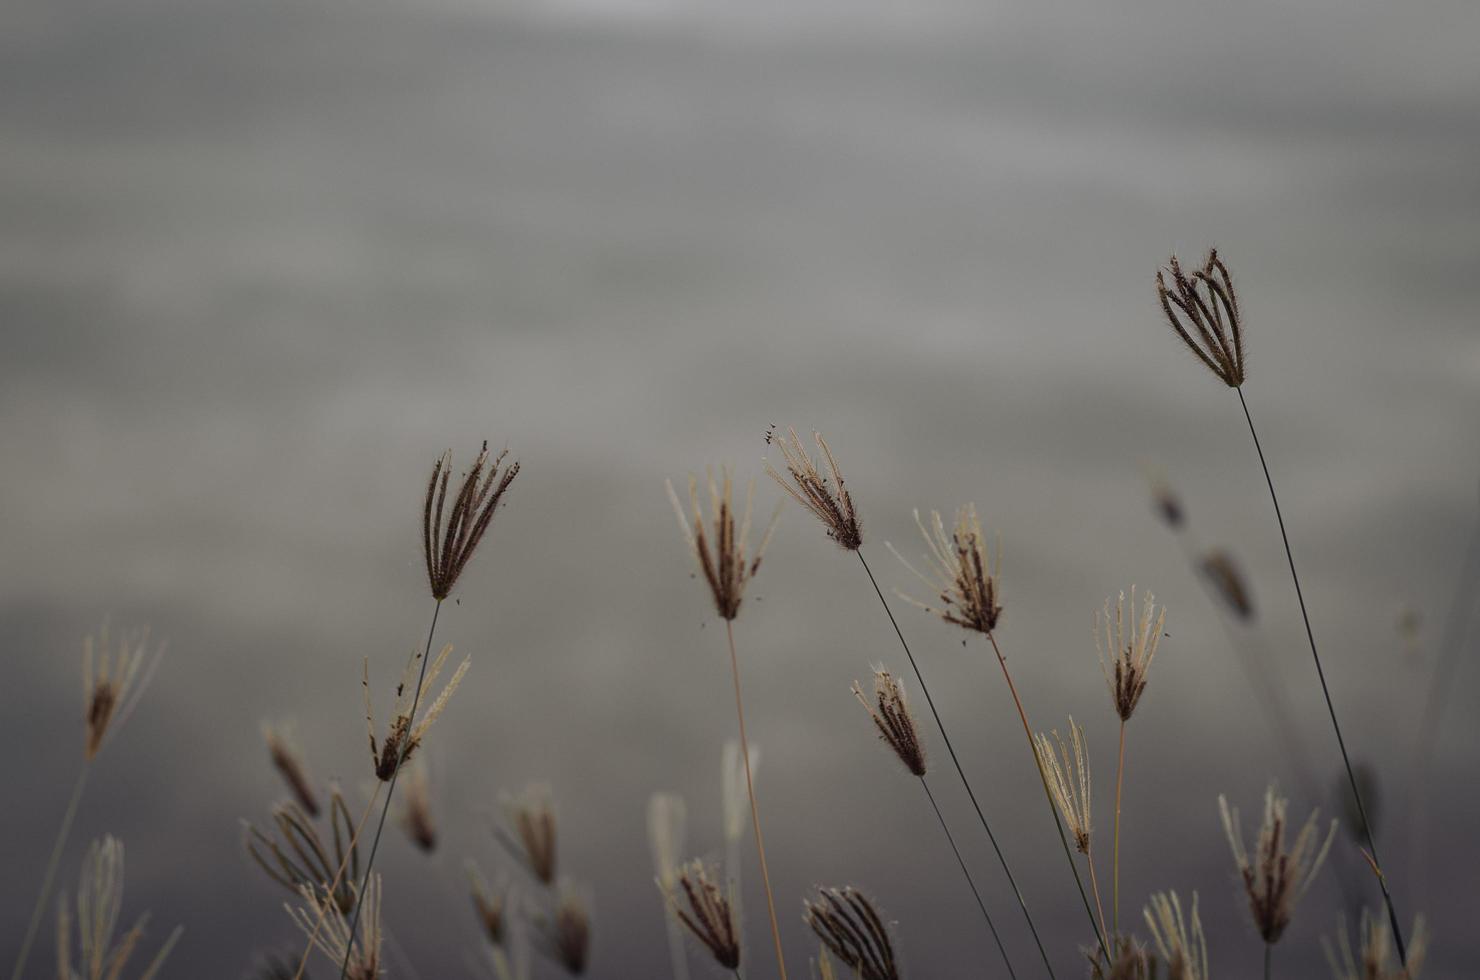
{"x": 963, "y": 576}
{"x": 1203, "y": 310}
{"x": 1131, "y": 961}
{"x": 530, "y": 832}
{"x": 722, "y": 553}
{"x": 565, "y": 937}
{"x": 1127, "y": 645}
{"x": 299, "y": 857}
{"x": 449, "y": 545}
{"x": 1228, "y": 581}
{"x": 853, "y": 931}
{"x": 891, "y": 714}
{"x": 710, "y": 918}
{"x": 288, "y": 761}
{"x": 824, "y": 495}
{"x": 405, "y": 734}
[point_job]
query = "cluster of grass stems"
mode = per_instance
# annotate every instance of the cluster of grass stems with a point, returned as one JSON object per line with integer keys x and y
{"x": 320, "y": 854}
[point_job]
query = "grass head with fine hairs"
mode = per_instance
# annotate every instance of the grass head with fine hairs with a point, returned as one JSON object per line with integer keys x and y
{"x": 853, "y": 931}
{"x": 961, "y": 573}
{"x": 1185, "y": 951}
{"x": 99, "y": 902}
{"x": 703, "y": 905}
{"x": 114, "y": 677}
{"x": 1127, "y": 644}
{"x": 298, "y": 857}
{"x": 405, "y": 734}
{"x": 1373, "y": 957}
{"x": 1279, "y": 872}
{"x": 721, "y": 549}
{"x": 333, "y": 935}
{"x": 890, "y": 711}
{"x": 823, "y": 494}
{"x": 1202, "y": 309}
{"x": 450, "y": 534}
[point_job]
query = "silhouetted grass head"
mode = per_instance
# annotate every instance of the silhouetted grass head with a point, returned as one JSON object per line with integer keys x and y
{"x": 405, "y": 734}
{"x": 824, "y": 495}
{"x": 1185, "y": 952}
{"x": 891, "y": 714}
{"x": 299, "y": 857}
{"x": 1277, "y": 875}
{"x": 1068, "y": 780}
{"x": 721, "y": 550}
{"x": 1203, "y": 310}
{"x": 1129, "y": 643}
{"x": 853, "y": 931}
{"x": 450, "y": 535}
{"x": 963, "y": 576}
{"x": 706, "y": 912}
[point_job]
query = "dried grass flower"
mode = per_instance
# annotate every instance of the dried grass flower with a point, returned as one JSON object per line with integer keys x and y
{"x": 1129, "y": 961}
{"x": 1228, "y": 580}
{"x": 891, "y": 714}
{"x": 405, "y": 734}
{"x": 709, "y": 916}
{"x": 565, "y": 936}
{"x": 491, "y": 905}
{"x": 113, "y": 680}
{"x": 963, "y": 575}
{"x": 361, "y": 958}
{"x": 300, "y": 858}
{"x": 824, "y": 495}
{"x": 1068, "y": 780}
{"x": 1130, "y": 644}
{"x": 416, "y": 816}
{"x": 1203, "y": 310}
{"x": 287, "y": 759}
{"x": 449, "y": 544}
{"x": 1276, "y": 876}
{"x": 722, "y": 553}
{"x": 530, "y": 832}
{"x": 853, "y": 931}
{"x": 1185, "y": 952}
{"x": 99, "y": 903}
{"x": 1373, "y": 958}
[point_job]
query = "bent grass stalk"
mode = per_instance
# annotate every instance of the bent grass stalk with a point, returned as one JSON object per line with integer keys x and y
{"x": 966, "y": 783}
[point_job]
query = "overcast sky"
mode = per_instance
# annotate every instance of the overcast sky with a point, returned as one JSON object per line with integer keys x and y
{"x": 261, "y": 262}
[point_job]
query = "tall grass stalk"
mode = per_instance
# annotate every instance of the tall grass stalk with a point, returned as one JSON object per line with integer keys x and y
{"x": 48, "y": 880}
{"x": 755, "y": 814}
{"x": 1115, "y": 861}
{"x": 406, "y": 746}
{"x": 975, "y": 894}
{"x": 966, "y": 783}
{"x": 1310, "y": 636}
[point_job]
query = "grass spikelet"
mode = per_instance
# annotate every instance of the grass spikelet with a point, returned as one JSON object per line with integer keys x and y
{"x": 449, "y": 543}
{"x": 404, "y": 736}
{"x": 357, "y": 951}
{"x": 99, "y": 902}
{"x": 1185, "y": 952}
{"x": 287, "y": 759}
{"x": 299, "y": 858}
{"x": 824, "y": 495}
{"x": 722, "y": 552}
{"x": 1277, "y": 875}
{"x": 962, "y": 574}
{"x": 706, "y": 912}
{"x": 891, "y": 714}
{"x": 853, "y": 931}
{"x": 1202, "y": 310}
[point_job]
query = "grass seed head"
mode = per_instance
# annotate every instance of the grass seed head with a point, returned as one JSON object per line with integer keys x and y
{"x": 1202, "y": 309}
{"x": 824, "y": 495}
{"x": 1278, "y": 874}
{"x": 853, "y": 931}
{"x": 891, "y": 714}
{"x": 722, "y": 551}
{"x": 705, "y": 909}
{"x": 1129, "y": 643}
{"x": 962, "y": 575}
{"x": 450, "y": 535}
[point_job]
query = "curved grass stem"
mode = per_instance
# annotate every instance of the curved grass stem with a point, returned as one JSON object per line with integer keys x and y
{"x": 1115, "y": 874}
{"x": 976, "y": 894}
{"x": 1326, "y": 691}
{"x": 49, "y": 878}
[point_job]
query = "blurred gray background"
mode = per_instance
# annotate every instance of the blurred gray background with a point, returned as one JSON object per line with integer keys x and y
{"x": 260, "y": 262}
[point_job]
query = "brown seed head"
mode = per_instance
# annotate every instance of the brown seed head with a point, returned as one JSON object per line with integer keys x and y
{"x": 1186, "y": 953}
{"x": 491, "y": 905}
{"x": 299, "y": 857}
{"x": 1129, "y": 644}
{"x": 721, "y": 553}
{"x": 1229, "y": 582}
{"x": 566, "y": 937}
{"x": 405, "y": 734}
{"x": 449, "y": 544}
{"x": 1129, "y": 961}
{"x": 709, "y": 916}
{"x": 530, "y": 832}
{"x": 891, "y": 714}
{"x": 1068, "y": 781}
{"x": 853, "y": 931}
{"x": 288, "y": 761}
{"x": 331, "y": 936}
{"x": 1373, "y": 959}
{"x": 962, "y": 574}
{"x": 113, "y": 680}
{"x": 1276, "y": 877}
{"x": 1203, "y": 310}
{"x": 829, "y": 502}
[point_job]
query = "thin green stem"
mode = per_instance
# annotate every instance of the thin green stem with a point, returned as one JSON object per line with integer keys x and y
{"x": 976, "y": 894}
{"x": 354, "y": 921}
{"x": 1325, "y": 690}
{"x": 49, "y": 878}
{"x": 951, "y": 751}
{"x": 755, "y": 813}
{"x": 1048, "y": 795}
{"x": 1119, "y": 778}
